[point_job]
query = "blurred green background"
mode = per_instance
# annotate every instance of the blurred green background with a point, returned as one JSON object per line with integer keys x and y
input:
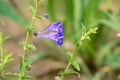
{"x": 99, "y": 58}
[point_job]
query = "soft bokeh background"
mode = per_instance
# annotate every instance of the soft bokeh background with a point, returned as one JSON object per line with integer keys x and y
{"x": 98, "y": 58}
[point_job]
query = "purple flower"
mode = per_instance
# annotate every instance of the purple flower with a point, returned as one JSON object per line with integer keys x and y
{"x": 53, "y": 31}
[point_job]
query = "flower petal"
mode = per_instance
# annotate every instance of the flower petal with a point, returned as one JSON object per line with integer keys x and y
{"x": 59, "y": 42}
{"x": 53, "y": 27}
{"x": 52, "y": 35}
{"x": 53, "y": 31}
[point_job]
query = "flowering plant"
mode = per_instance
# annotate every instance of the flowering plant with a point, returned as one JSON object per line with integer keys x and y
{"x": 53, "y": 31}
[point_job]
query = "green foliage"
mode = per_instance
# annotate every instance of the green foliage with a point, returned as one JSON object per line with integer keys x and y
{"x": 8, "y": 10}
{"x": 19, "y": 75}
{"x": 32, "y": 10}
{"x": 5, "y": 56}
{"x": 73, "y": 61}
{"x": 23, "y": 64}
{"x": 28, "y": 46}
{"x": 96, "y": 51}
{"x": 86, "y": 34}
{"x": 69, "y": 71}
{"x": 95, "y": 19}
{"x": 51, "y": 10}
{"x": 112, "y": 21}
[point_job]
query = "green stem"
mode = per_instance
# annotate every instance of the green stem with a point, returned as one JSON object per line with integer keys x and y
{"x": 2, "y": 55}
{"x": 69, "y": 64}
{"x": 27, "y": 40}
{"x": 25, "y": 51}
{"x": 2, "y": 51}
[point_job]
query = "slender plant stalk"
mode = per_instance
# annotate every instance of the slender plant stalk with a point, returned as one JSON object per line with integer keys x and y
{"x": 69, "y": 63}
{"x": 2, "y": 51}
{"x": 2, "y": 55}
{"x": 27, "y": 39}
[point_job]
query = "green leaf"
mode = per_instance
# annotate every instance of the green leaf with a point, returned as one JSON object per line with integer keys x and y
{"x": 71, "y": 71}
{"x": 75, "y": 64}
{"x": 11, "y": 74}
{"x": 76, "y": 17}
{"x": 83, "y": 29}
{"x": 18, "y": 75}
{"x": 20, "y": 66}
{"x": 28, "y": 77}
{"x": 73, "y": 61}
{"x": 7, "y": 58}
{"x": 8, "y": 10}
{"x": 93, "y": 30}
{"x": 51, "y": 10}
{"x": 31, "y": 46}
{"x": 32, "y": 10}
{"x": 86, "y": 38}
{"x": 111, "y": 24}
{"x": 112, "y": 21}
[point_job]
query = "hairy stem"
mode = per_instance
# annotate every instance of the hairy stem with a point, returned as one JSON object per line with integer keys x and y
{"x": 69, "y": 63}
{"x": 27, "y": 39}
{"x": 2, "y": 56}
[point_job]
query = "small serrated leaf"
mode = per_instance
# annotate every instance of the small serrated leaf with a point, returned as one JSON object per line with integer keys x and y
{"x": 11, "y": 74}
{"x": 31, "y": 46}
{"x": 32, "y": 10}
{"x": 28, "y": 77}
{"x": 8, "y": 57}
{"x": 75, "y": 64}
{"x": 83, "y": 29}
{"x": 20, "y": 66}
{"x": 73, "y": 61}
{"x": 71, "y": 71}
{"x": 87, "y": 37}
